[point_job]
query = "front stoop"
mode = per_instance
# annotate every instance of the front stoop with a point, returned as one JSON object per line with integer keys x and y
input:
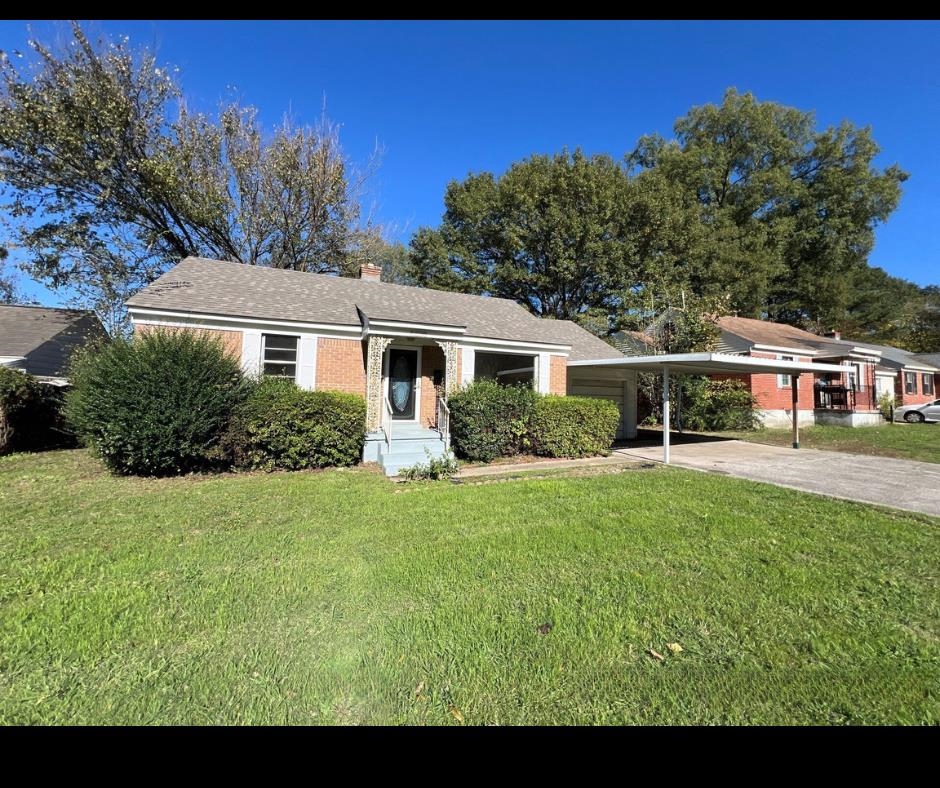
{"x": 410, "y": 445}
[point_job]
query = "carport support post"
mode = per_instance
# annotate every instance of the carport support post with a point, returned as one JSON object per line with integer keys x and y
{"x": 666, "y": 415}
{"x": 795, "y": 400}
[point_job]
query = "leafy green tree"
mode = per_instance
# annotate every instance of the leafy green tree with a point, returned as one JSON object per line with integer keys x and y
{"x": 109, "y": 178}
{"x": 549, "y": 233}
{"x": 7, "y": 285}
{"x": 877, "y": 306}
{"x": 789, "y": 211}
{"x": 920, "y": 330}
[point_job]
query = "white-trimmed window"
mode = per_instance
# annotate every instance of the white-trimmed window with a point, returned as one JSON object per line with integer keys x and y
{"x": 910, "y": 382}
{"x": 783, "y": 381}
{"x": 926, "y": 383}
{"x": 279, "y": 356}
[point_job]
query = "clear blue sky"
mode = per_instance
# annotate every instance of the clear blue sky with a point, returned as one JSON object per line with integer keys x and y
{"x": 447, "y": 98}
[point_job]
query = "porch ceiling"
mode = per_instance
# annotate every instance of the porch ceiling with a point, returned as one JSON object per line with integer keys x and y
{"x": 708, "y": 364}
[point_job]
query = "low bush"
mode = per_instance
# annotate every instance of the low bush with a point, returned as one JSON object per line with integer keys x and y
{"x": 31, "y": 414}
{"x": 489, "y": 420}
{"x": 157, "y": 405}
{"x": 280, "y": 426}
{"x": 716, "y": 405}
{"x": 435, "y": 469}
{"x": 574, "y": 426}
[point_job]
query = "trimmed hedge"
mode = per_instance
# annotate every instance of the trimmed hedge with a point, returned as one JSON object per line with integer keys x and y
{"x": 717, "y": 405}
{"x": 574, "y": 426}
{"x": 31, "y": 414}
{"x": 489, "y": 420}
{"x": 281, "y": 426}
{"x": 157, "y": 405}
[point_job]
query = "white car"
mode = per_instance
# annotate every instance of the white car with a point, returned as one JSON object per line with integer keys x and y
{"x": 913, "y": 414}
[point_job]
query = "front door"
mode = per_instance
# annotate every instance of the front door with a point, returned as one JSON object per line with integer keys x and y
{"x": 402, "y": 382}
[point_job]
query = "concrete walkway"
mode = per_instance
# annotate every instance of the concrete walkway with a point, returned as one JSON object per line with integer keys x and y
{"x": 473, "y": 471}
{"x": 902, "y": 484}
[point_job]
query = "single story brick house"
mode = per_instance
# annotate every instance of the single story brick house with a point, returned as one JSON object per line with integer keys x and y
{"x": 402, "y": 348}
{"x": 40, "y": 340}
{"x": 849, "y": 397}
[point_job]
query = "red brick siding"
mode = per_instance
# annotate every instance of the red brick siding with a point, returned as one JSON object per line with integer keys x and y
{"x": 432, "y": 357}
{"x": 770, "y": 397}
{"x": 558, "y": 376}
{"x": 231, "y": 340}
{"x": 340, "y": 366}
{"x": 903, "y": 398}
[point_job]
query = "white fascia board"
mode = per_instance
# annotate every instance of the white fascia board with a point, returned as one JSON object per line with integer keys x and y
{"x": 782, "y": 349}
{"x": 510, "y": 345}
{"x": 9, "y": 361}
{"x": 918, "y": 368}
{"x": 147, "y": 316}
{"x": 376, "y": 326}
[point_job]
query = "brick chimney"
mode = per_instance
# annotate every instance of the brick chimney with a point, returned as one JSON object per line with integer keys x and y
{"x": 370, "y": 272}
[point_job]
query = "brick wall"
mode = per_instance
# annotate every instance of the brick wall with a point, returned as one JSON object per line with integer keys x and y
{"x": 903, "y": 398}
{"x": 770, "y": 397}
{"x": 231, "y": 340}
{"x": 432, "y": 357}
{"x": 558, "y": 376}
{"x": 340, "y": 366}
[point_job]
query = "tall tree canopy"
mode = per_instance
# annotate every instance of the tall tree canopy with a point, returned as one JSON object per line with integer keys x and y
{"x": 109, "y": 178}
{"x": 749, "y": 202}
{"x": 548, "y": 233}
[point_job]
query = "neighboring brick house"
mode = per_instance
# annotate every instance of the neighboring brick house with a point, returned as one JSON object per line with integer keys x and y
{"x": 40, "y": 340}
{"x": 932, "y": 360}
{"x": 850, "y": 397}
{"x": 399, "y": 347}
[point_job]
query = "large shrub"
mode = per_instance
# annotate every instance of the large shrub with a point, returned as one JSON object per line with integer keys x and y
{"x": 716, "y": 405}
{"x": 574, "y": 426}
{"x": 490, "y": 421}
{"x": 157, "y": 405}
{"x": 31, "y": 414}
{"x": 282, "y": 426}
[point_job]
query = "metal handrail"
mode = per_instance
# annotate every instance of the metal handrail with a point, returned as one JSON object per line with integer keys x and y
{"x": 443, "y": 421}
{"x": 387, "y": 423}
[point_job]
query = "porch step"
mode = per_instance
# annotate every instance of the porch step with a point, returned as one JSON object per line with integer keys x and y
{"x": 407, "y": 451}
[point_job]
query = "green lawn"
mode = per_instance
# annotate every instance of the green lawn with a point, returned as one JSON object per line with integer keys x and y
{"x": 906, "y": 441}
{"x": 339, "y": 597}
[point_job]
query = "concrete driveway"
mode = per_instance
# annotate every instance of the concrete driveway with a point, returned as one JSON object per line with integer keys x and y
{"x": 902, "y": 484}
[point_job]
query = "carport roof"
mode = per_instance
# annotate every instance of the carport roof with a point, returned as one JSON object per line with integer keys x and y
{"x": 708, "y": 364}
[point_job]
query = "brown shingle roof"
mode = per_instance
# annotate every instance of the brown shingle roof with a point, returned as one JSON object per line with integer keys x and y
{"x": 216, "y": 287}
{"x": 763, "y": 332}
{"x": 584, "y": 345}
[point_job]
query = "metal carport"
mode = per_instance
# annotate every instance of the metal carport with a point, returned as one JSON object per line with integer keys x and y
{"x": 711, "y": 364}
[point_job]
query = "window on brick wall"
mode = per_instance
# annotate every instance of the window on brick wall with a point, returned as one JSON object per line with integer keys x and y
{"x": 783, "y": 381}
{"x": 910, "y": 382}
{"x": 926, "y": 383}
{"x": 279, "y": 356}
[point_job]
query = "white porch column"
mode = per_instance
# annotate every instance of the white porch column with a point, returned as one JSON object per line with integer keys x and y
{"x": 374, "y": 404}
{"x": 451, "y": 383}
{"x": 666, "y": 415}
